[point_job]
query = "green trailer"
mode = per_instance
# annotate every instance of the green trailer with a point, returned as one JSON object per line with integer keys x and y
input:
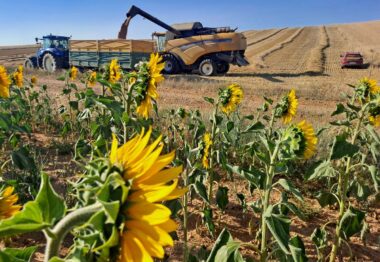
{"x": 97, "y": 53}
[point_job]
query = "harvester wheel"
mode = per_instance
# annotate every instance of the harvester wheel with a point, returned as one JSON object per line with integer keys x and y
{"x": 222, "y": 68}
{"x": 171, "y": 64}
{"x": 28, "y": 64}
{"x": 207, "y": 67}
{"x": 49, "y": 63}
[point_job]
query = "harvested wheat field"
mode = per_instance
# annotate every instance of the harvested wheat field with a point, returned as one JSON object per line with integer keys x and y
{"x": 312, "y": 187}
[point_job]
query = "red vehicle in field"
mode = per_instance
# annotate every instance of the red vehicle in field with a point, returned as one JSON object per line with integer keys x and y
{"x": 351, "y": 59}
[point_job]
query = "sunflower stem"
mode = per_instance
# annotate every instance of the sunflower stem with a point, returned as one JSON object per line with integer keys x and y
{"x": 56, "y": 235}
{"x": 185, "y": 218}
{"x": 271, "y": 124}
{"x": 268, "y": 188}
{"x": 211, "y": 170}
{"x": 342, "y": 190}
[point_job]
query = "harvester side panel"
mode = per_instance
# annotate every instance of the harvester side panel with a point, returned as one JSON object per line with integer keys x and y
{"x": 190, "y": 49}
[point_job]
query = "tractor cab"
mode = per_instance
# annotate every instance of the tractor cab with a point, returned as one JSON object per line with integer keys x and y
{"x": 53, "y": 54}
{"x": 59, "y": 42}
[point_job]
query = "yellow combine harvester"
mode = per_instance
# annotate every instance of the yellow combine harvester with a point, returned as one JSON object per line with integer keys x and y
{"x": 189, "y": 47}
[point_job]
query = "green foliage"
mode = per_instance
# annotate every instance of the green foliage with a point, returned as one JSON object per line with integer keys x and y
{"x": 17, "y": 255}
{"x": 36, "y": 215}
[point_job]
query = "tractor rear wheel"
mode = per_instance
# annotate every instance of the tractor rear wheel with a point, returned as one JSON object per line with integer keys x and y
{"x": 222, "y": 68}
{"x": 28, "y": 64}
{"x": 49, "y": 63}
{"x": 171, "y": 64}
{"x": 207, "y": 67}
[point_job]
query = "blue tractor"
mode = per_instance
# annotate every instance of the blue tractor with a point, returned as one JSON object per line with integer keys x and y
{"x": 53, "y": 54}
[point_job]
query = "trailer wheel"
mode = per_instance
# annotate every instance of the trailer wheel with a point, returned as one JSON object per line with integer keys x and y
{"x": 28, "y": 64}
{"x": 49, "y": 63}
{"x": 171, "y": 64}
{"x": 222, "y": 68}
{"x": 207, "y": 67}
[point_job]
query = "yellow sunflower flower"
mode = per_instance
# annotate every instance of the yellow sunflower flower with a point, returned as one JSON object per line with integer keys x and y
{"x": 309, "y": 139}
{"x": 8, "y": 205}
{"x": 73, "y": 73}
{"x": 147, "y": 222}
{"x": 207, "y": 142}
{"x": 291, "y": 107}
{"x": 230, "y": 98}
{"x": 33, "y": 80}
{"x": 155, "y": 66}
{"x": 91, "y": 80}
{"x": 4, "y": 83}
{"x": 18, "y": 77}
{"x": 374, "y": 113}
{"x": 374, "y": 120}
{"x": 114, "y": 71}
{"x": 371, "y": 84}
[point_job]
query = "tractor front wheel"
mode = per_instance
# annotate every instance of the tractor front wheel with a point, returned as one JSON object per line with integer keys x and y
{"x": 49, "y": 63}
{"x": 28, "y": 64}
{"x": 207, "y": 67}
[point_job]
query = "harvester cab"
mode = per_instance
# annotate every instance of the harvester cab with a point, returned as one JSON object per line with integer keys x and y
{"x": 191, "y": 46}
{"x": 53, "y": 54}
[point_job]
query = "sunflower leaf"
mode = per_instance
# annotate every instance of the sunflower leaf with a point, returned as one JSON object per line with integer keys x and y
{"x": 201, "y": 190}
{"x": 111, "y": 211}
{"x": 223, "y": 238}
{"x": 288, "y": 186}
{"x": 222, "y": 197}
{"x": 339, "y": 109}
{"x": 227, "y": 251}
{"x": 352, "y": 222}
{"x": 326, "y": 198}
{"x": 17, "y": 254}
{"x": 342, "y": 148}
{"x": 297, "y": 249}
{"x": 279, "y": 227}
{"x": 43, "y": 212}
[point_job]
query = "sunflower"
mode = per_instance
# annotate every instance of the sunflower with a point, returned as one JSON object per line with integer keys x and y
{"x": 114, "y": 73}
{"x": 206, "y": 144}
{"x": 374, "y": 115}
{"x": 73, "y": 73}
{"x": 33, "y": 80}
{"x": 4, "y": 83}
{"x": 367, "y": 89}
{"x": 17, "y": 77}
{"x": 91, "y": 79}
{"x": 308, "y": 139}
{"x": 155, "y": 66}
{"x": 230, "y": 97}
{"x": 147, "y": 222}
{"x": 374, "y": 89}
{"x": 7, "y": 203}
{"x": 287, "y": 107}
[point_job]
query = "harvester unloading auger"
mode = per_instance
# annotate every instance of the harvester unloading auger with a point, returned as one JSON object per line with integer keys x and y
{"x": 188, "y": 47}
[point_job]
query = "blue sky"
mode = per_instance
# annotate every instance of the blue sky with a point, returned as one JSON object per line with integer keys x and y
{"x": 22, "y": 20}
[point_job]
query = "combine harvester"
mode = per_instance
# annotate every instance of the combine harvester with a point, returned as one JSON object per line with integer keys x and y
{"x": 187, "y": 47}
